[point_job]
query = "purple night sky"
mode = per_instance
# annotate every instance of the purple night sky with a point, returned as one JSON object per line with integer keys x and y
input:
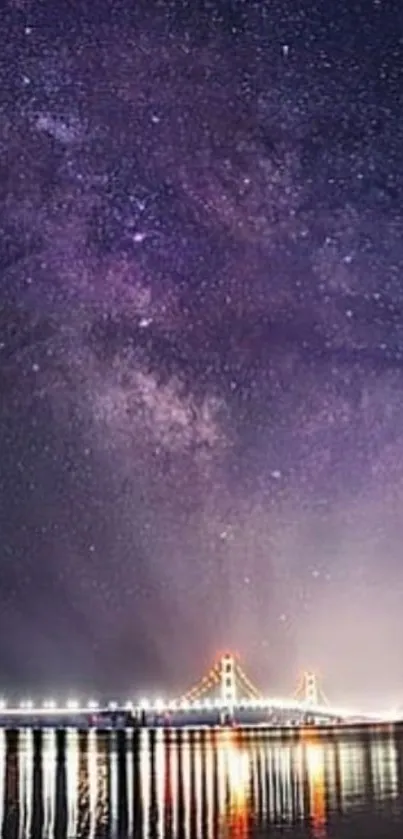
{"x": 201, "y": 345}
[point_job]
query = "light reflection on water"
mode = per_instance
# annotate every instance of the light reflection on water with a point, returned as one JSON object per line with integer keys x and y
{"x": 200, "y": 785}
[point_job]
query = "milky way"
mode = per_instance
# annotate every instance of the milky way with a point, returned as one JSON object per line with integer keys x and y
{"x": 201, "y": 375}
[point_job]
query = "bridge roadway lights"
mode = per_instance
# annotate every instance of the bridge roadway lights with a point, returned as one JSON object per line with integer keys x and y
{"x": 224, "y": 676}
{"x": 163, "y": 714}
{"x": 160, "y": 706}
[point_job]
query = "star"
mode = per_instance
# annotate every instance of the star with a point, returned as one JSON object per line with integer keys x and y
{"x": 201, "y": 345}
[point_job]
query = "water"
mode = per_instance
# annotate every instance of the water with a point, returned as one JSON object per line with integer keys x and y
{"x": 201, "y": 784}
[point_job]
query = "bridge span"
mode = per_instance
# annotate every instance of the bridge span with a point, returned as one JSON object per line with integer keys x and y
{"x": 224, "y": 696}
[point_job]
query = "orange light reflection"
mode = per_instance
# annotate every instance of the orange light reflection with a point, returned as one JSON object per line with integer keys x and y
{"x": 315, "y": 764}
{"x": 236, "y": 769}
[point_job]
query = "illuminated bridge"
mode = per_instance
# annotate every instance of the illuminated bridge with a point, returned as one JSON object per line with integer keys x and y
{"x": 224, "y": 696}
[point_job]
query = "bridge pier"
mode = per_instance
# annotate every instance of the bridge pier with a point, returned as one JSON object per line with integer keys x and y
{"x": 227, "y": 717}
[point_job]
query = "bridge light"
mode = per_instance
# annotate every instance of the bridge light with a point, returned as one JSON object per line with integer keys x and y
{"x": 159, "y": 705}
{"x": 50, "y": 704}
{"x": 72, "y": 705}
{"x": 144, "y": 704}
{"x": 27, "y": 705}
{"x": 128, "y": 705}
{"x": 92, "y": 705}
{"x": 3, "y": 704}
{"x": 112, "y": 706}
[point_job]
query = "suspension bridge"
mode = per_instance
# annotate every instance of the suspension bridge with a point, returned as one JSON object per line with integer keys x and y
{"x": 224, "y": 695}
{"x": 228, "y": 685}
{"x": 229, "y": 689}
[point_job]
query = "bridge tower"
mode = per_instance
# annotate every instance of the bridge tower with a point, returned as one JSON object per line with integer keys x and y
{"x": 310, "y": 690}
{"x": 228, "y": 679}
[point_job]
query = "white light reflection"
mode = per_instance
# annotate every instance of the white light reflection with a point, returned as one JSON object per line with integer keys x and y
{"x": 221, "y": 772}
{"x": 384, "y": 768}
{"x": 113, "y": 789}
{"x": 298, "y": 777}
{"x": 160, "y": 770}
{"x": 287, "y": 807}
{"x": 352, "y": 772}
{"x": 92, "y": 771}
{"x": 275, "y": 781}
{"x": 271, "y": 808}
{"x": 198, "y": 793}
{"x": 49, "y": 782}
{"x": 102, "y": 786}
{"x": 330, "y": 758}
{"x": 186, "y": 775}
{"x": 26, "y": 780}
{"x": 284, "y": 758}
{"x": 209, "y": 764}
{"x": 82, "y": 816}
{"x": 277, "y": 773}
{"x": 261, "y": 778}
{"x": 175, "y": 746}
{"x": 145, "y": 781}
{"x": 72, "y": 781}
{"x": 254, "y": 772}
{"x": 281, "y": 779}
{"x": 130, "y": 782}
{"x": 2, "y": 774}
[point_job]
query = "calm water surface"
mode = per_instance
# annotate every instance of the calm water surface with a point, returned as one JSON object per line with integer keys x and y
{"x": 194, "y": 785}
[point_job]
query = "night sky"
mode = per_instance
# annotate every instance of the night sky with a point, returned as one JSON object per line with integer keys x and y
{"x": 201, "y": 344}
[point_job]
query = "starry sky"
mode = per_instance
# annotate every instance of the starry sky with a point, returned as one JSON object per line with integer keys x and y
{"x": 201, "y": 344}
